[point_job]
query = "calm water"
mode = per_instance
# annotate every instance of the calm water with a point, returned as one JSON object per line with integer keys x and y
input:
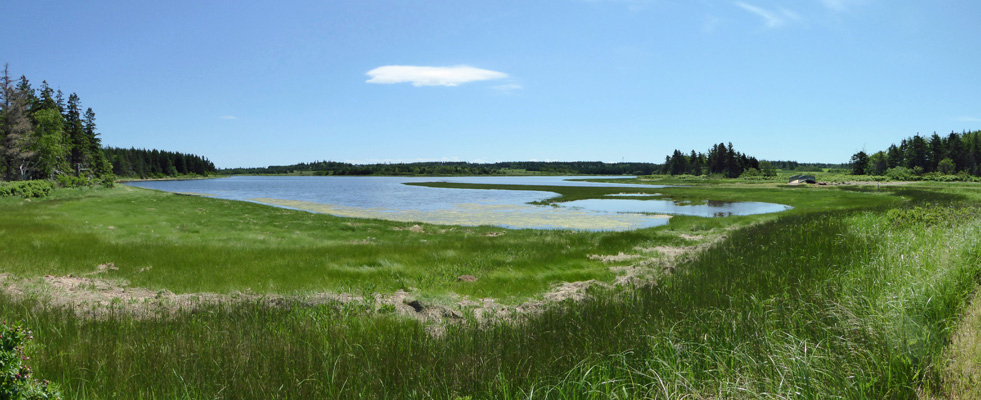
{"x": 388, "y": 198}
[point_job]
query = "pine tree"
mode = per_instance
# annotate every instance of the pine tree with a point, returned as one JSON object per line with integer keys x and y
{"x": 15, "y": 130}
{"x": 75, "y": 134}
{"x": 99, "y": 164}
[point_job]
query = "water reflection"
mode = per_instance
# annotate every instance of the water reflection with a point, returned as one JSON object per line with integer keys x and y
{"x": 707, "y": 208}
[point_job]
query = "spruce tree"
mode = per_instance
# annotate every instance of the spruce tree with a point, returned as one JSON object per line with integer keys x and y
{"x": 75, "y": 134}
{"x": 15, "y": 130}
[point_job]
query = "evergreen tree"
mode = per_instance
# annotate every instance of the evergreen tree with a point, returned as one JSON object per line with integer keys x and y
{"x": 859, "y": 162}
{"x": 894, "y": 157}
{"x": 75, "y": 135}
{"x": 15, "y": 129}
{"x": 935, "y": 152}
{"x": 916, "y": 153}
{"x": 99, "y": 164}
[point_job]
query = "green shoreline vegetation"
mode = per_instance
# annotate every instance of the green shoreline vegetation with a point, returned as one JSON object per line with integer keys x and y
{"x": 855, "y": 293}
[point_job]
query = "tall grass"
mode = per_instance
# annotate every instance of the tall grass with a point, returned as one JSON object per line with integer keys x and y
{"x": 829, "y": 305}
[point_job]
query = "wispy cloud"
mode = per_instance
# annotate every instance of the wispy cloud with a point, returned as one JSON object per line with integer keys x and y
{"x": 228, "y": 117}
{"x": 968, "y": 119}
{"x": 431, "y": 76}
{"x": 835, "y": 5}
{"x": 508, "y": 87}
{"x": 842, "y": 5}
{"x": 771, "y": 19}
{"x": 632, "y": 5}
{"x": 710, "y": 24}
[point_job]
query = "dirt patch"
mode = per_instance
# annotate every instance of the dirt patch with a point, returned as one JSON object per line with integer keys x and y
{"x": 494, "y": 234}
{"x": 413, "y": 228}
{"x": 621, "y": 256}
{"x": 572, "y": 290}
{"x": 671, "y": 252}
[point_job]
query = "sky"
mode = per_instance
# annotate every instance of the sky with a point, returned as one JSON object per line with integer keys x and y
{"x": 258, "y": 83}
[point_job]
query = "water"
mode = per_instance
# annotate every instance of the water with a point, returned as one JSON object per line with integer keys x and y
{"x": 389, "y": 198}
{"x": 708, "y": 209}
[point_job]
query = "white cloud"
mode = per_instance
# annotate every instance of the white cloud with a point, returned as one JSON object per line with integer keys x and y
{"x": 968, "y": 119}
{"x": 432, "y": 76}
{"x": 772, "y": 19}
{"x": 228, "y": 117}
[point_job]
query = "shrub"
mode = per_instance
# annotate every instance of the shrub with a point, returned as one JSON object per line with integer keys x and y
{"x": 16, "y": 380}
{"x": 108, "y": 181}
{"x": 75, "y": 181}
{"x": 26, "y": 189}
{"x": 900, "y": 174}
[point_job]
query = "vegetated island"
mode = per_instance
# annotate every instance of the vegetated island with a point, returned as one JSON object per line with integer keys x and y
{"x": 859, "y": 291}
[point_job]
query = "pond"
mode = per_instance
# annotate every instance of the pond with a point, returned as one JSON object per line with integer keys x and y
{"x": 389, "y": 198}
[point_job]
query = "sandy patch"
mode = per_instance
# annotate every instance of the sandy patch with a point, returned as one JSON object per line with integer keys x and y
{"x": 413, "y": 228}
{"x": 621, "y": 256}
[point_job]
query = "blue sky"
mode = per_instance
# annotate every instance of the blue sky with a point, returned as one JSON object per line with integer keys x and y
{"x": 256, "y": 83}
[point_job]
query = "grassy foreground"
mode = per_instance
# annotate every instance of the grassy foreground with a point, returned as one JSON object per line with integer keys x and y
{"x": 816, "y": 304}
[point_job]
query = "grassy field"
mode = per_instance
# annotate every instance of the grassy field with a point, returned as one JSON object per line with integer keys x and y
{"x": 853, "y": 294}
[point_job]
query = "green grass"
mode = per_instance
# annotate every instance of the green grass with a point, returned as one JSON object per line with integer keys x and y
{"x": 192, "y": 244}
{"x": 837, "y": 302}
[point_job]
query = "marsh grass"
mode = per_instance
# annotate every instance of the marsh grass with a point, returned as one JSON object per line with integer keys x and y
{"x": 838, "y": 304}
{"x": 191, "y": 244}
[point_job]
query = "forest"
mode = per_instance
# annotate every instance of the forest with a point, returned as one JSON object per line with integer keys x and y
{"x": 720, "y": 160}
{"x": 456, "y": 168}
{"x": 44, "y": 136}
{"x": 918, "y": 157}
{"x": 144, "y": 164}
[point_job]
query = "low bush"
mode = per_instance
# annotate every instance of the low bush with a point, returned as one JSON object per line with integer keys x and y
{"x": 16, "y": 380}
{"x": 26, "y": 189}
{"x": 75, "y": 181}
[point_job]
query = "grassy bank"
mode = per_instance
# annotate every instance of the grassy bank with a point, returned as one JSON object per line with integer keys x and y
{"x": 821, "y": 304}
{"x": 192, "y": 244}
{"x": 188, "y": 244}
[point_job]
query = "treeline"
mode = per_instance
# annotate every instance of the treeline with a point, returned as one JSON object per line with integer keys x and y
{"x": 143, "y": 164}
{"x": 456, "y": 168}
{"x": 720, "y": 160}
{"x": 43, "y": 136}
{"x": 917, "y": 156}
{"x": 805, "y": 167}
